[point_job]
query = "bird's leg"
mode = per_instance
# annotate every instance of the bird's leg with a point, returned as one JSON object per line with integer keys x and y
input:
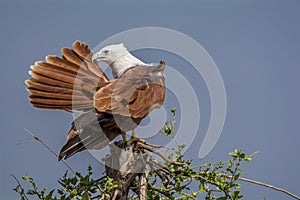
{"x": 133, "y": 133}
{"x": 134, "y": 139}
{"x": 124, "y": 139}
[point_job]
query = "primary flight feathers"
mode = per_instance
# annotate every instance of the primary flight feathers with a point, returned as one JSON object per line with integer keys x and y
{"x": 110, "y": 107}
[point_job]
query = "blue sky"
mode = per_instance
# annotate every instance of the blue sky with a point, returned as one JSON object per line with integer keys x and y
{"x": 255, "y": 45}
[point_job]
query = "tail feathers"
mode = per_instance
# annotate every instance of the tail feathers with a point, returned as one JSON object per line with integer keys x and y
{"x": 66, "y": 83}
{"x": 71, "y": 147}
{"x": 85, "y": 139}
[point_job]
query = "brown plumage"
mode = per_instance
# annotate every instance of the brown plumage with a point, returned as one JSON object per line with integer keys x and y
{"x": 109, "y": 107}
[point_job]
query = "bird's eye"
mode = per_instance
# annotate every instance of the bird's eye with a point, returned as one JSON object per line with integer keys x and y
{"x": 105, "y": 51}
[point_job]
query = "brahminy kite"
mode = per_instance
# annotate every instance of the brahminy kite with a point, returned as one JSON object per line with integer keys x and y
{"x": 108, "y": 108}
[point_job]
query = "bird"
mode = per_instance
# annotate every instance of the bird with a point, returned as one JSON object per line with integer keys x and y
{"x": 107, "y": 108}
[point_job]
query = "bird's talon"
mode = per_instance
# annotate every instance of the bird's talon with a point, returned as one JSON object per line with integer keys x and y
{"x": 133, "y": 140}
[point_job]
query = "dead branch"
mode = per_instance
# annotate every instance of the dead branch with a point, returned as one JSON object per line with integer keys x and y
{"x": 263, "y": 184}
{"x": 48, "y": 148}
{"x": 143, "y": 183}
{"x": 147, "y": 147}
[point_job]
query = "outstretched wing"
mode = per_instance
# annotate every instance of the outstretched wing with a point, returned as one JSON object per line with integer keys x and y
{"x": 66, "y": 83}
{"x": 134, "y": 94}
{"x": 69, "y": 83}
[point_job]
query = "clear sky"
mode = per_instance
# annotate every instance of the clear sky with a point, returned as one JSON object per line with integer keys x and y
{"x": 255, "y": 45}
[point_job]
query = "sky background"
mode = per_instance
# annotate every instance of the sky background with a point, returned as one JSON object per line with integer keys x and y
{"x": 255, "y": 45}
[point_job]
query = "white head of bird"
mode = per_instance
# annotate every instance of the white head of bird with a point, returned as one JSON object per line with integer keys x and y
{"x": 118, "y": 58}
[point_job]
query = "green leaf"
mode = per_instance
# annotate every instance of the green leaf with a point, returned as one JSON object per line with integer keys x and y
{"x": 201, "y": 188}
{"x": 173, "y": 110}
{"x": 49, "y": 196}
{"x": 85, "y": 196}
{"x": 237, "y": 176}
{"x": 31, "y": 192}
{"x": 235, "y": 195}
{"x": 28, "y": 179}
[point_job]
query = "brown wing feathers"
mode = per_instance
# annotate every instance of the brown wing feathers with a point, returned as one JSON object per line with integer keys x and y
{"x": 134, "y": 94}
{"x": 65, "y": 83}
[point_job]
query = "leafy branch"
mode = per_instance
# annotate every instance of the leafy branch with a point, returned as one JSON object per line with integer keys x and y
{"x": 173, "y": 178}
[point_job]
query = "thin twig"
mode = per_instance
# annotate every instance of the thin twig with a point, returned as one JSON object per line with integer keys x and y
{"x": 160, "y": 154}
{"x": 263, "y": 184}
{"x": 155, "y": 165}
{"x": 154, "y": 145}
{"x": 163, "y": 178}
{"x": 19, "y": 184}
{"x": 49, "y": 149}
{"x": 102, "y": 197}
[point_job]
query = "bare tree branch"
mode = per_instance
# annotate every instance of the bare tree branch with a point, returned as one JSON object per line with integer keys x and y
{"x": 264, "y": 185}
{"x": 143, "y": 185}
{"x": 147, "y": 147}
{"x": 49, "y": 149}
